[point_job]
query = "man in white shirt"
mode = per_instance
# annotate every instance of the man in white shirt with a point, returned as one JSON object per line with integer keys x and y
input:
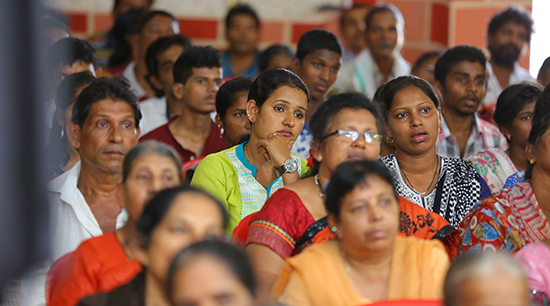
{"x": 86, "y": 201}
{"x": 160, "y": 59}
{"x": 154, "y": 25}
{"x": 381, "y": 62}
{"x": 508, "y": 34}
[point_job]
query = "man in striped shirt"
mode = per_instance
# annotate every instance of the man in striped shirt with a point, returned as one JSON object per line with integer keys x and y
{"x": 461, "y": 78}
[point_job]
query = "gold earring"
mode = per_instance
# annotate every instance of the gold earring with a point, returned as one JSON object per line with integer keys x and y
{"x": 389, "y": 140}
{"x": 532, "y": 161}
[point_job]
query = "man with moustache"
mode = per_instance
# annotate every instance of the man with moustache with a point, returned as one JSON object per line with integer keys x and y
{"x": 381, "y": 62}
{"x": 86, "y": 200}
{"x": 508, "y": 33}
{"x": 197, "y": 78}
{"x": 352, "y": 29}
{"x": 461, "y": 77}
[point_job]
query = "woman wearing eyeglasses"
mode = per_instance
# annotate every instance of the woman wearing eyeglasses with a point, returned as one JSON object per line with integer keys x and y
{"x": 345, "y": 128}
{"x": 447, "y": 186}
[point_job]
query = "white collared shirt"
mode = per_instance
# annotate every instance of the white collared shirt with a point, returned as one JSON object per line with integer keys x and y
{"x": 130, "y": 75}
{"x": 494, "y": 89}
{"x": 363, "y": 75}
{"x": 154, "y": 112}
{"x": 72, "y": 220}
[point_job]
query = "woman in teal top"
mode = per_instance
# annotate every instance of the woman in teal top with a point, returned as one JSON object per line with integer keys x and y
{"x": 244, "y": 176}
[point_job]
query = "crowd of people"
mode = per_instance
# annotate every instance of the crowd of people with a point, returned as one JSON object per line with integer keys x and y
{"x": 337, "y": 174}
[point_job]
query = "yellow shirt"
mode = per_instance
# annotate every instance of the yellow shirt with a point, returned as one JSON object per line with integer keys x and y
{"x": 317, "y": 275}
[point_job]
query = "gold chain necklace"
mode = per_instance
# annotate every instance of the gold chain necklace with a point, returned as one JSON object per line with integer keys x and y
{"x": 409, "y": 182}
{"x": 321, "y": 191}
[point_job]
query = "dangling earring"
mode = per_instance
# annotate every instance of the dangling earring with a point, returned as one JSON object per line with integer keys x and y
{"x": 221, "y": 131}
{"x": 62, "y": 132}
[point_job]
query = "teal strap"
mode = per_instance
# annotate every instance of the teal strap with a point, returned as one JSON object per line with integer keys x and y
{"x": 360, "y": 78}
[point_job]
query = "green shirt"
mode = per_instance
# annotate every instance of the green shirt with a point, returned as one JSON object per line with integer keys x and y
{"x": 229, "y": 176}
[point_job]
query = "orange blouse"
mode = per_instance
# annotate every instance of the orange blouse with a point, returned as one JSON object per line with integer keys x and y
{"x": 98, "y": 265}
{"x": 317, "y": 275}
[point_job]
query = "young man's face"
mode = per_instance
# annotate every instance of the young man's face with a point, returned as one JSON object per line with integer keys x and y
{"x": 243, "y": 33}
{"x": 158, "y": 27}
{"x": 465, "y": 86}
{"x": 506, "y": 44}
{"x": 319, "y": 70}
{"x": 199, "y": 92}
{"x": 353, "y": 28}
{"x": 65, "y": 70}
{"x": 165, "y": 79}
{"x": 382, "y": 34}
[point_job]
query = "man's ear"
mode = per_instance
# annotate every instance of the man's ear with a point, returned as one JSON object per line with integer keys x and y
{"x": 73, "y": 133}
{"x": 295, "y": 65}
{"x": 252, "y": 110}
{"x": 177, "y": 89}
{"x": 438, "y": 86}
{"x": 138, "y": 132}
{"x": 133, "y": 40}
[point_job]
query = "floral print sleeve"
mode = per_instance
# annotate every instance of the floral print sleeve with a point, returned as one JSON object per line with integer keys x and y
{"x": 490, "y": 226}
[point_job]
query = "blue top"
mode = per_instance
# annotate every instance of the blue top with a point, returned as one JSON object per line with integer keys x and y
{"x": 513, "y": 179}
{"x": 250, "y": 72}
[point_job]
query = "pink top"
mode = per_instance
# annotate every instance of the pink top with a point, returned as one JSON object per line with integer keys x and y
{"x": 535, "y": 259}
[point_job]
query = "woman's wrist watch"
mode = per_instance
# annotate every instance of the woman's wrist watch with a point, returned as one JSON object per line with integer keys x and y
{"x": 289, "y": 166}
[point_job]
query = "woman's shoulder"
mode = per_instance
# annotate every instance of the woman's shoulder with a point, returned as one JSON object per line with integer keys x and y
{"x": 413, "y": 244}
{"x": 220, "y": 157}
{"x": 458, "y": 167}
{"x": 317, "y": 252}
{"x": 494, "y": 210}
{"x": 216, "y": 164}
{"x": 485, "y": 153}
{"x": 283, "y": 201}
{"x": 95, "y": 247}
{"x": 387, "y": 159}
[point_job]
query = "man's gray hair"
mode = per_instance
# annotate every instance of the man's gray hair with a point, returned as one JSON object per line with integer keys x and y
{"x": 477, "y": 265}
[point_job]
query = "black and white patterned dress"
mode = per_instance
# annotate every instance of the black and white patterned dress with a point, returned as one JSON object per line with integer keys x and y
{"x": 458, "y": 188}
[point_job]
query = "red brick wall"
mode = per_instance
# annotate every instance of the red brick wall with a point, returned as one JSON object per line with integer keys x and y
{"x": 429, "y": 24}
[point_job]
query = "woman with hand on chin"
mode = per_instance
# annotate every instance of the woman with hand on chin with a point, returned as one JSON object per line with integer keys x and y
{"x": 345, "y": 128}
{"x": 447, "y": 186}
{"x": 245, "y": 176}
